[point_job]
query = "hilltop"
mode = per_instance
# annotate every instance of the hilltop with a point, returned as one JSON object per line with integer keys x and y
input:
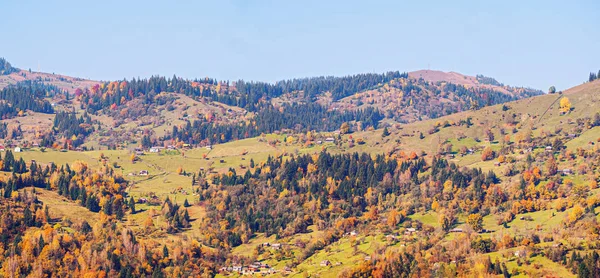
{"x": 12, "y": 76}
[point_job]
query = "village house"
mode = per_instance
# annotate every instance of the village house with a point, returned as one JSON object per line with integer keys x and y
{"x": 391, "y": 237}
{"x": 237, "y": 268}
{"x": 143, "y": 173}
{"x": 276, "y": 246}
{"x": 18, "y": 149}
{"x": 410, "y": 231}
{"x": 549, "y": 148}
{"x": 325, "y": 263}
{"x": 156, "y": 149}
{"x": 329, "y": 140}
{"x": 566, "y": 172}
{"x": 520, "y": 253}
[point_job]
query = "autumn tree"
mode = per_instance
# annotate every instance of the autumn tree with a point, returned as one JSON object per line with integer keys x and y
{"x": 487, "y": 154}
{"x": 475, "y": 221}
{"x": 565, "y": 105}
{"x": 345, "y": 128}
{"x": 551, "y": 166}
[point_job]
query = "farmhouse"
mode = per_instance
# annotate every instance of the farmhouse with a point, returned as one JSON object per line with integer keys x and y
{"x": 143, "y": 173}
{"x": 566, "y": 172}
{"x": 18, "y": 150}
{"x": 329, "y": 140}
{"x": 549, "y": 148}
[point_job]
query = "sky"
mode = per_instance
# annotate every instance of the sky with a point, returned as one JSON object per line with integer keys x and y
{"x": 523, "y": 43}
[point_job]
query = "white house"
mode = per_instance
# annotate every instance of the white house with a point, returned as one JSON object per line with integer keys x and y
{"x": 17, "y": 149}
{"x": 156, "y": 149}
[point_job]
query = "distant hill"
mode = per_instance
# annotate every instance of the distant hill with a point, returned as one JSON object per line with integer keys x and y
{"x": 216, "y": 112}
{"x": 430, "y": 94}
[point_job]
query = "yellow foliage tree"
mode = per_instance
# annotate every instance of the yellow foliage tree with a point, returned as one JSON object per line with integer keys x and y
{"x": 475, "y": 221}
{"x": 565, "y": 105}
{"x": 435, "y": 205}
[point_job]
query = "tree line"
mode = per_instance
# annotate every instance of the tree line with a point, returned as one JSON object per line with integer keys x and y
{"x": 24, "y": 96}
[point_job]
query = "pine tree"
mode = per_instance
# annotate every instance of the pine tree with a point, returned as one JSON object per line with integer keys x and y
{"x": 386, "y": 132}
{"x": 132, "y": 205}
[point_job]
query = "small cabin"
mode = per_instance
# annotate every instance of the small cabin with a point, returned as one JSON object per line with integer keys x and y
{"x": 143, "y": 173}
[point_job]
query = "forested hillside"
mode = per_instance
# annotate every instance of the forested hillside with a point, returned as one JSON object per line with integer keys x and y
{"x": 422, "y": 174}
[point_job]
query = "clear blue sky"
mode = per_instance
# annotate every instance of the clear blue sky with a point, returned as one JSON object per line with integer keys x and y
{"x": 525, "y": 43}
